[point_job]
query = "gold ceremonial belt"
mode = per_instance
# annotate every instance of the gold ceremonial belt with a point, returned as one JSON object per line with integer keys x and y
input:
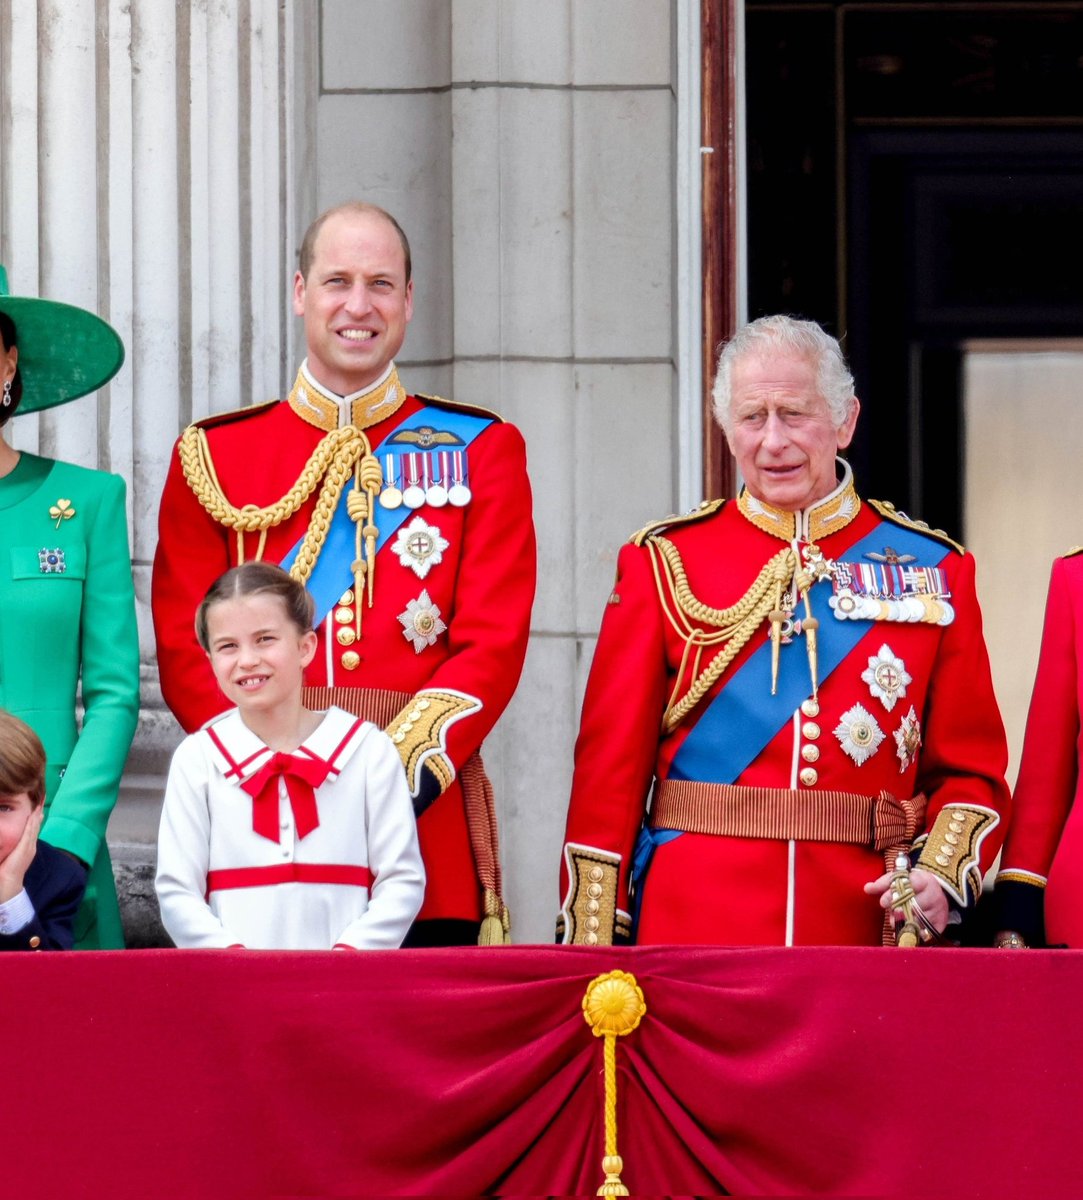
{"x": 879, "y": 822}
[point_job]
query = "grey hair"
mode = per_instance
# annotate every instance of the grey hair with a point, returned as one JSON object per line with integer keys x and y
{"x": 805, "y": 338}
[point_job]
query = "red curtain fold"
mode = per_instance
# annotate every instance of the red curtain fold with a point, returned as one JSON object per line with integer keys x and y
{"x": 234, "y": 1074}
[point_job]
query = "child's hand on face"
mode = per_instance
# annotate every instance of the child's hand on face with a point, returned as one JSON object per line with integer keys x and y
{"x": 13, "y": 869}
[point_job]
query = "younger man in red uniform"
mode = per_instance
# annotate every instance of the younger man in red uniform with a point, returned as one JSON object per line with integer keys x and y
{"x": 409, "y": 520}
{"x": 798, "y": 683}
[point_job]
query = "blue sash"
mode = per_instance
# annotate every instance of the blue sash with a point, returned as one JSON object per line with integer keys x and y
{"x": 328, "y": 579}
{"x": 744, "y": 717}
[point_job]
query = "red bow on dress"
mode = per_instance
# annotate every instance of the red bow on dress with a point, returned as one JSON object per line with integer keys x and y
{"x": 303, "y": 775}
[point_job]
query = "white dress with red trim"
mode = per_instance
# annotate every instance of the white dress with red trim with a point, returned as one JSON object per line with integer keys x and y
{"x": 295, "y": 852}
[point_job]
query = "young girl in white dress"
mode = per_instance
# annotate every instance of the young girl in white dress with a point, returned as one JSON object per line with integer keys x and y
{"x": 282, "y": 828}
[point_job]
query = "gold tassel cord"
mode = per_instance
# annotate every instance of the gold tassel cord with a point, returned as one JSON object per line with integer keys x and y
{"x": 329, "y": 468}
{"x": 731, "y": 627}
{"x": 613, "y": 1007}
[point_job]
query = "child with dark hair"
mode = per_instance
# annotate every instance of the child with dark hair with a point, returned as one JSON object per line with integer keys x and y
{"x": 40, "y": 888}
{"x": 283, "y": 827}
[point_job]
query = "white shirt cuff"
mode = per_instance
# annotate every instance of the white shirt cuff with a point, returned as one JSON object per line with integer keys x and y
{"x": 16, "y": 913}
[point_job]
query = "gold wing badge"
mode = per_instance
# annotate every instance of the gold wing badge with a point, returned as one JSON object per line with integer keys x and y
{"x": 424, "y": 437}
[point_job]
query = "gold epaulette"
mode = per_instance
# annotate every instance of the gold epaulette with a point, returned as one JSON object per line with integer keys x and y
{"x": 459, "y": 406}
{"x": 1074, "y": 550}
{"x": 706, "y": 509}
{"x": 234, "y": 414}
{"x": 890, "y": 513}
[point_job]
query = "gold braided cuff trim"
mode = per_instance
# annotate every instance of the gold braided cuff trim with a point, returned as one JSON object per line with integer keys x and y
{"x": 419, "y": 732}
{"x": 952, "y": 849}
{"x": 589, "y": 915}
{"x": 1018, "y": 875}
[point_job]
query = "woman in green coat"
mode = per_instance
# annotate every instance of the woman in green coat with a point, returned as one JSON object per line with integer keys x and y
{"x": 67, "y": 603}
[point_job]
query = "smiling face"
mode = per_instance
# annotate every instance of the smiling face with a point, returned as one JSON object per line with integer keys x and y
{"x": 782, "y": 434}
{"x": 14, "y": 813}
{"x": 356, "y": 301}
{"x": 257, "y": 653}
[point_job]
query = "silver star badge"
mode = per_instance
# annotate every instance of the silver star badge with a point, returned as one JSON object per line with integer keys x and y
{"x": 419, "y": 546}
{"x": 858, "y": 734}
{"x": 421, "y": 623}
{"x": 886, "y": 676}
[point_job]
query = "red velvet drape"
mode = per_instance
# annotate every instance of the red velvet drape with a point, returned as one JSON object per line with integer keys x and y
{"x": 232, "y": 1074}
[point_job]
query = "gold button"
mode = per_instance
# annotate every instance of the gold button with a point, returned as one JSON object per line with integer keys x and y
{"x": 346, "y": 597}
{"x": 415, "y": 714}
{"x": 811, "y": 730}
{"x": 398, "y": 738}
{"x": 346, "y": 635}
{"x": 948, "y": 850}
{"x": 35, "y": 942}
{"x": 424, "y": 704}
{"x": 951, "y": 838}
{"x": 344, "y": 615}
{"x": 942, "y": 860}
{"x": 808, "y": 776}
{"x": 351, "y": 660}
{"x": 593, "y": 906}
{"x": 955, "y": 826}
{"x": 596, "y": 873}
{"x": 406, "y": 726}
{"x": 595, "y": 889}
{"x": 810, "y": 753}
{"x": 810, "y": 708}
{"x": 593, "y": 923}
{"x": 591, "y": 939}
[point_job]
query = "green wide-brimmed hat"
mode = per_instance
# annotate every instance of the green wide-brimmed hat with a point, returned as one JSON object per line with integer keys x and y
{"x": 64, "y": 352}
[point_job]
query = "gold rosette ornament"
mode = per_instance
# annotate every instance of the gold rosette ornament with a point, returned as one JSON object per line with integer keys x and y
{"x": 613, "y": 1006}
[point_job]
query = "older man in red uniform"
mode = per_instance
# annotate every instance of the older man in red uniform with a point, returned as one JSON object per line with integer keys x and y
{"x": 797, "y": 683}
{"x": 409, "y": 519}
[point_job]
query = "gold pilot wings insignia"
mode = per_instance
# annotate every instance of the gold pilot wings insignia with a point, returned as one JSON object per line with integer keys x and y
{"x": 424, "y": 436}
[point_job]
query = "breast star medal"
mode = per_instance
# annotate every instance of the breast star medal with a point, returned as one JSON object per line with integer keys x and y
{"x": 419, "y": 546}
{"x": 421, "y": 623}
{"x": 858, "y": 734}
{"x": 908, "y": 740}
{"x": 886, "y": 676}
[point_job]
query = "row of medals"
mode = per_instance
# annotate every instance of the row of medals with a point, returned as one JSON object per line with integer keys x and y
{"x": 424, "y": 486}
{"x": 874, "y": 604}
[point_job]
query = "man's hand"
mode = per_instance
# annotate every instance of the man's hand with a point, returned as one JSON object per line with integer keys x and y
{"x": 928, "y": 895}
{"x": 13, "y": 869}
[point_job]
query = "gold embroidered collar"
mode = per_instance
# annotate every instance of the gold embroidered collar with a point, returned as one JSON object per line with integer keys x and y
{"x": 317, "y": 406}
{"x": 826, "y": 516}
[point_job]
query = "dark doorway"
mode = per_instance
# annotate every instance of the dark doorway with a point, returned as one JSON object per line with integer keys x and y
{"x": 916, "y": 180}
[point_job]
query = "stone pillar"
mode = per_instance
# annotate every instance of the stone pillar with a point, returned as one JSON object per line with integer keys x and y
{"x": 142, "y": 175}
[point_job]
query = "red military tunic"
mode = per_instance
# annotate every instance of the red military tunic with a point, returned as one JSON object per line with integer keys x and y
{"x": 448, "y": 627}
{"x": 1043, "y": 851}
{"x": 909, "y": 708}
